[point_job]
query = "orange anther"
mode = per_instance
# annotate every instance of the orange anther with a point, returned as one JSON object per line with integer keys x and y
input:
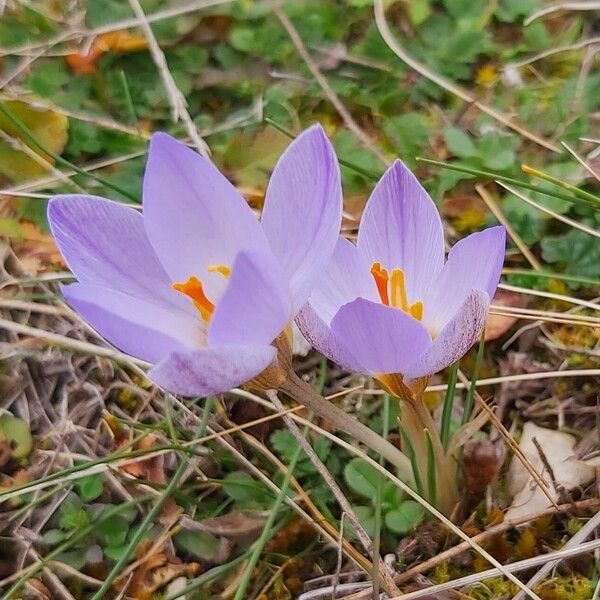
{"x": 193, "y": 289}
{"x": 381, "y": 281}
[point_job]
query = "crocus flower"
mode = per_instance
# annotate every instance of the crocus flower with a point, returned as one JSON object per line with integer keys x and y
{"x": 197, "y": 286}
{"x": 390, "y": 306}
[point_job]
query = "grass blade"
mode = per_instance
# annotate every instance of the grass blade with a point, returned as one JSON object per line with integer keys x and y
{"x": 431, "y": 470}
{"x": 448, "y": 405}
{"x": 471, "y": 391}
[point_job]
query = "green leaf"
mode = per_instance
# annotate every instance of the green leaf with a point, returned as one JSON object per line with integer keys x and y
{"x": 74, "y": 519}
{"x": 113, "y": 531}
{"x": 404, "y": 518}
{"x": 577, "y": 252}
{"x": 200, "y": 544}
{"x": 89, "y": 488}
{"x": 459, "y": 143}
{"x": 366, "y": 516}
{"x": 54, "y": 536}
{"x": 362, "y": 478}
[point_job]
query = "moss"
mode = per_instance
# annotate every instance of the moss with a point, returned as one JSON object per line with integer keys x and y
{"x": 570, "y": 587}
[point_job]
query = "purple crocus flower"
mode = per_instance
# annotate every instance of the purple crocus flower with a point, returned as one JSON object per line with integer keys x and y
{"x": 390, "y": 306}
{"x": 197, "y": 286}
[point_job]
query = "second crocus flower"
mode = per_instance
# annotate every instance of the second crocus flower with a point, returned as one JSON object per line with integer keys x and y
{"x": 391, "y": 306}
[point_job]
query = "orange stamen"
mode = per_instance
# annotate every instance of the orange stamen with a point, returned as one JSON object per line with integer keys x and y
{"x": 381, "y": 281}
{"x": 398, "y": 285}
{"x": 223, "y": 269}
{"x": 193, "y": 288}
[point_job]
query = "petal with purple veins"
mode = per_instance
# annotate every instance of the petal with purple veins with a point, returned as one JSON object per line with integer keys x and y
{"x": 144, "y": 329}
{"x": 346, "y": 278}
{"x": 475, "y": 262}
{"x": 319, "y": 335}
{"x": 255, "y": 307}
{"x": 104, "y": 243}
{"x": 303, "y": 210}
{"x": 194, "y": 217}
{"x": 401, "y": 228}
{"x": 383, "y": 339}
{"x": 455, "y": 339}
{"x": 211, "y": 370}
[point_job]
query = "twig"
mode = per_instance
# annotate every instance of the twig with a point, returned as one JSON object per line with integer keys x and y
{"x": 449, "y": 86}
{"x": 551, "y": 558}
{"x": 574, "y": 545}
{"x": 436, "y": 560}
{"x": 168, "y": 13}
{"x": 548, "y": 10}
{"x": 516, "y": 238}
{"x": 549, "y": 211}
{"x": 348, "y": 119}
{"x": 179, "y": 111}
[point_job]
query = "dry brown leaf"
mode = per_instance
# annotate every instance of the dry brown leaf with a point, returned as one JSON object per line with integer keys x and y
{"x": 543, "y": 448}
{"x": 152, "y": 469}
{"x": 497, "y": 325}
{"x": 84, "y": 63}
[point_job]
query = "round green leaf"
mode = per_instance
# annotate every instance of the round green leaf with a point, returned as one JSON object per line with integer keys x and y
{"x": 362, "y": 478}
{"x": 404, "y": 518}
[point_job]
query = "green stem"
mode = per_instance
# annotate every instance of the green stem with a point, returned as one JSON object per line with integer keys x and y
{"x": 304, "y": 394}
{"x": 581, "y": 199}
{"x": 471, "y": 391}
{"x": 448, "y": 406}
{"x": 379, "y": 493}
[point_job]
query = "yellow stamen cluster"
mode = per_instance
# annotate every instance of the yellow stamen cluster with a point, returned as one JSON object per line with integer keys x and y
{"x": 392, "y": 290}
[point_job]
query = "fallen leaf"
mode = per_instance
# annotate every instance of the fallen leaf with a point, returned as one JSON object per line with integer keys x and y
{"x": 48, "y": 127}
{"x": 118, "y": 42}
{"x": 235, "y": 524}
{"x": 558, "y": 449}
{"x": 497, "y": 325}
{"x": 152, "y": 469}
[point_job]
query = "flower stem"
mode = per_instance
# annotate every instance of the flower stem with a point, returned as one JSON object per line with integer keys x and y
{"x": 305, "y": 394}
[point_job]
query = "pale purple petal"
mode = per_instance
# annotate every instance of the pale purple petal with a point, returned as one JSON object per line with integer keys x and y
{"x": 255, "y": 307}
{"x": 455, "y": 339}
{"x": 211, "y": 370}
{"x": 383, "y": 339}
{"x": 194, "y": 217}
{"x": 319, "y": 335}
{"x": 142, "y": 328}
{"x": 303, "y": 210}
{"x": 401, "y": 228}
{"x": 346, "y": 278}
{"x": 104, "y": 243}
{"x": 475, "y": 262}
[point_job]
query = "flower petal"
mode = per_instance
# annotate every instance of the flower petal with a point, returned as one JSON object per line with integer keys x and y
{"x": 193, "y": 216}
{"x": 147, "y": 330}
{"x": 303, "y": 210}
{"x": 401, "y": 228}
{"x": 383, "y": 339}
{"x": 255, "y": 307}
{"x": 455, "y": 339}
{"x": 475, "y": 262}
{"x": 319, "y": 335}
{"x": 211, "y": 370}
{"x": 346, "y": 278}
{"x": 104, "y": 243}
